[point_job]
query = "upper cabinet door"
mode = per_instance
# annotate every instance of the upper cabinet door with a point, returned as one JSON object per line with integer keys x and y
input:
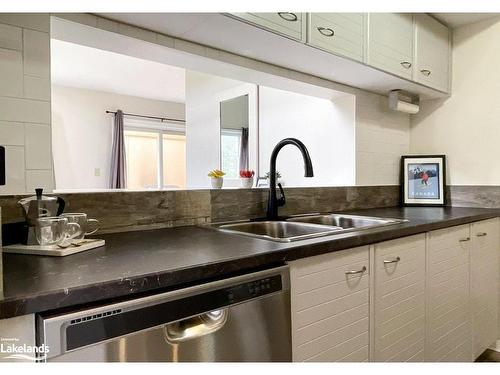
{"x": 390, "y": 43}
{"x": 432, "y": 63}
{"x": 290, "y": 24}
{"x": 340, "y": 33}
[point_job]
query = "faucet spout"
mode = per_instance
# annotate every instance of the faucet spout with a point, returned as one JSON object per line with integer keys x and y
{"x": 272, "y": 204}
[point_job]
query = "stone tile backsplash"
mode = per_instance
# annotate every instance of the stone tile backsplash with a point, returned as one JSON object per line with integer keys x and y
{"x": 126, "y": 211}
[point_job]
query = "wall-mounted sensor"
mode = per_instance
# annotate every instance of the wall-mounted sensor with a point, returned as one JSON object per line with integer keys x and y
{"x": 2, "y": 165}
{"x": 403, "y": 101}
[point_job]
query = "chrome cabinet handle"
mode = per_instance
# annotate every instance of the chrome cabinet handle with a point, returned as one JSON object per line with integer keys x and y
{"x": 426, "y": 72}
{"x": 481, "y": 234}
{"x": 287, "y": 16}
{"x": 406, "y": 64}
{"x": 356, "y": 272}
{"x": 395, "y": 260}
{"x": 464, "y": 239}
{"x": 326, "y": 31}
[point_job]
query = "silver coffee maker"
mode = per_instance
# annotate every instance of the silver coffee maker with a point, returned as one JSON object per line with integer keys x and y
{"x": 35, "y": 207}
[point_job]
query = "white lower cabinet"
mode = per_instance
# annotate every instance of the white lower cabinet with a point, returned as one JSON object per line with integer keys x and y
{"x": 431, "y": 297}
{"x": 449, "y": 324}
{"x": 330, "y": 306}
{"x": 484, "y": 283}
{"x": 398, "y": 309}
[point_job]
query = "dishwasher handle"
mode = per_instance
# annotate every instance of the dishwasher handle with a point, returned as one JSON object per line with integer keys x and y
{"x": 196, "y": 326}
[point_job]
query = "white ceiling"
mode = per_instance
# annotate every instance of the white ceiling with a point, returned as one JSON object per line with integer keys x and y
{"x": 460, "y": 19}
{"x": 80, "y": 66}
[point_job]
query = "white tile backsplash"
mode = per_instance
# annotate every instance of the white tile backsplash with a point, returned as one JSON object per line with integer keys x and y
{"x": 38, "y": 146}
{"x": 37, "y": 88}
{"x": 11, "y": 72}
{"x": 39, "y": 179}
{"x": 33, "y": 21}
{"x": 11, "y": 133}
{"x": 11, "y": 37}
{"x": 25, "y": 113}
{"x": 24, "y": 110}
{"x": 14, "y": 171}
{"x": 36, "y": 49}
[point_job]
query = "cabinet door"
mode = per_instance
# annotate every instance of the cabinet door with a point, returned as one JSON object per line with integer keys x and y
{"x": 390, "y": 43}
{"x": 432, "y": 60}
{"x": 484, "y": 282}
{"x": 449, "y": 325}
{"x": 290, "y": 24}
{"x": 340, "y": 33}
{"x": 330, "y": 306}
{"x": 399, "y": 300}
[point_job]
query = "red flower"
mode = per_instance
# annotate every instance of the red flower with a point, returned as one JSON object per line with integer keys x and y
{"x": 247, "y": 174}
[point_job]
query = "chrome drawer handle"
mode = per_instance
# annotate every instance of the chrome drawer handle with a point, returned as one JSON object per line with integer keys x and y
{"x": 406, "y": 64}
{"x": 464, "y": 239}
{"x": 356, "y": 272}
{"x": 326, "y": 31}
{"x": 287, "y": 16}
{"x": 395, "y": 260}
{"x": 481, "y": 234}
{"x": 425, "y": 72}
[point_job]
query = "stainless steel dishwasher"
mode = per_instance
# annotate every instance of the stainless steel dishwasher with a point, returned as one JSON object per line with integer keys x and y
{"x": 243, "y": 318}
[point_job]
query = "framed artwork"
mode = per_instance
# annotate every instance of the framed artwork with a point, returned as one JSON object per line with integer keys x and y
{"x": 423, "y": 180}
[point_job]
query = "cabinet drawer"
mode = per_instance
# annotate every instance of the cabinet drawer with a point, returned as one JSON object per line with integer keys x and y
{"x": 329, "y": 303}
{"x": 340, "y": 33}
{"x": 390, "y": 43}
{"x": 290, "y": 24}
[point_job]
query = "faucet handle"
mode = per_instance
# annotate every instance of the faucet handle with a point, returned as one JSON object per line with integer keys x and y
{"x": 281, "y": 199}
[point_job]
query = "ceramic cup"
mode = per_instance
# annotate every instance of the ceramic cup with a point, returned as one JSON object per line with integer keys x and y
{"x": 246, "y": 182}
{"x": 217, "y": 182}
{"x": 81, "y": 219}
{"x": 55, "y": 230}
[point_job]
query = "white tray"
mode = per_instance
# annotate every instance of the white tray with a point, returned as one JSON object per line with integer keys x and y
{"x": 53, "y": 250}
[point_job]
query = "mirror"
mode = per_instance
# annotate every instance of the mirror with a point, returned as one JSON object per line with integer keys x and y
{"x": 163, "y": 118}
{"x": 234, "y": 155}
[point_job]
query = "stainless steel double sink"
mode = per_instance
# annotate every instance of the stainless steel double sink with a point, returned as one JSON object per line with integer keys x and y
{"x": 306, "y": 226}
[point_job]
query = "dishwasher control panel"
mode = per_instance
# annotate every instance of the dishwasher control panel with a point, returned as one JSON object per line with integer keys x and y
{"x": 254, "y": 289}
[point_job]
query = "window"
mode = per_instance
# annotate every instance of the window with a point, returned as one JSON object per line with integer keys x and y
{"x": 230, "y": 152}
{"x": 155, "y": 154}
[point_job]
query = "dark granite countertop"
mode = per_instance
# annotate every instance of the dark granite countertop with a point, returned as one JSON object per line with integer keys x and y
{"x": 136, "y": 263}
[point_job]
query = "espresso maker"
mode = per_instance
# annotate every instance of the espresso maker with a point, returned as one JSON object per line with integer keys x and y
{"x": 35, "y": 207}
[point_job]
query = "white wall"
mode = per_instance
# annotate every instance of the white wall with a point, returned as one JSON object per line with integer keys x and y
{"x": 82, "y": 132}
{"x": 466, "y": 127}
{"x": 204, "y": 93}
{"x": 25, "y": 102}
{"x": 326, "y": 128}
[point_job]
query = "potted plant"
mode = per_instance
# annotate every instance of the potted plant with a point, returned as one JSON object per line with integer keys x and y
{"x": 278, "y": 176}
{"x": 217, "y": 178}
{"x": 246, "y": 178}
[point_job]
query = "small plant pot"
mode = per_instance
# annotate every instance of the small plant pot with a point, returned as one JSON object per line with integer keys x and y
{"x": 246, "y": 182}
{"x": 217, "y": 182}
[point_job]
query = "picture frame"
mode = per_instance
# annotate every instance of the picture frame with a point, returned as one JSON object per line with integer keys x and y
{"x": 423, "y": 180}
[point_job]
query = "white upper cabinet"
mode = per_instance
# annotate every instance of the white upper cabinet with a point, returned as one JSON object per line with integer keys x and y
{"x": 290, "y": 24}
{"x": 432, "y": 53}
{"x": 339, "y": 33}
{"x": 390, "y": 43}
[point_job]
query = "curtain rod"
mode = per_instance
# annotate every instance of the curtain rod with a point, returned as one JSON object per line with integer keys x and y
{"x": 151, "y": 117}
